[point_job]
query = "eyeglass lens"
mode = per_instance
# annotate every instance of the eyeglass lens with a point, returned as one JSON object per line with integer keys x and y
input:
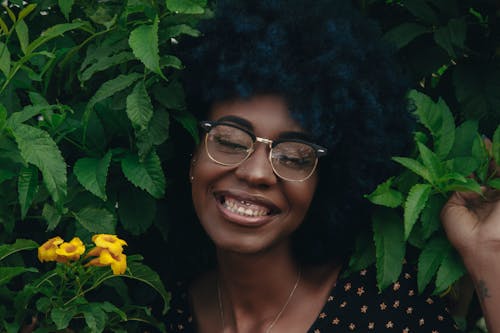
{"x": 228, "y": 145}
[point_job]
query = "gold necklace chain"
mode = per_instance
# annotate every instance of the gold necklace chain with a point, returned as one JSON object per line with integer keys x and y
{"x": 271, "y": 325}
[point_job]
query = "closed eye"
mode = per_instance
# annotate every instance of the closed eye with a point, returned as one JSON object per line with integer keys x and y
{"x": 293, "y": 162}
{"x": 230, "y": 144}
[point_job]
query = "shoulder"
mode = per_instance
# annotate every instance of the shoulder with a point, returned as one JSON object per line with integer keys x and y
{"x": 356, "y": 304}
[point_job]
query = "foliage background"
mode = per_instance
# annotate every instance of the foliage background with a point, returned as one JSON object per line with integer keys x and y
{"x": 90, "y": 98}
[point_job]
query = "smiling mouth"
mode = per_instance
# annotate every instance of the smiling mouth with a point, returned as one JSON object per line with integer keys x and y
{"x": 242, "y": 207}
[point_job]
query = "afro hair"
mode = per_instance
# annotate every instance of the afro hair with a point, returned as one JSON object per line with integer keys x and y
{"x": 340, "y": 83}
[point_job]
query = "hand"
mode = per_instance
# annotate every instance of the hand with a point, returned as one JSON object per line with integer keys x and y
{"x": 472, "y": 221}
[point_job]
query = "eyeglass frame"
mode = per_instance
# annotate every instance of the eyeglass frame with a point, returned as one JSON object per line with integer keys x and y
{"x": 208, "y": 125}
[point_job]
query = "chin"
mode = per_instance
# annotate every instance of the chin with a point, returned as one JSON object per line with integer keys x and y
{"x": 254, "y": 245}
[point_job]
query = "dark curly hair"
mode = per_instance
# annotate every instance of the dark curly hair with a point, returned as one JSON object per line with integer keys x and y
{"x": 340, "y": 83}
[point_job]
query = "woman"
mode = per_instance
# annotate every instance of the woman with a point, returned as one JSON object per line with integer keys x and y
{"x": 302, "y": 109}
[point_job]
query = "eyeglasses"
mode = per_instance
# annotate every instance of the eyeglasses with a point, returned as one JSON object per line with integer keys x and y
{"x": 230, "y": 145}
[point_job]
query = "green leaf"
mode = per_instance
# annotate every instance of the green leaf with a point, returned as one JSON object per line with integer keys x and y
{"x": 52, "y": 216}
{"x": 389, "y": 246}
{"x": 6, "y": 175}
{"x": 62, "y": 316}
{"x": 156, "y": 133}
{"x": 96, "y": 220}
{"x": 476, "y": 88}
{"x": 110, "y": 308}
{"x": 452, "y": 36}
{"x": 4, "y": 27}
{"x": 414, "y": 166}
{"x": 451, "y": 269}
{"x": 469, "y": 186}
{"x": 143, "y": 273}
{"x": 416, "y": 237}
{"x": 26, "y": 11}
{"x": 147, "y": 175}
{"x": 463, "y": 165}
{"x": 171, "y": 61}
{"x": 186, "y": 6}
{"x": 136, "y": 210}
{"x": 430, "y": 259}
{"x": 421, "y": 10}
{"x": 28, "y": 112}
{"x": 104, "y": 63}
{"x": 431, "y": 162}
{"x": 38, "y": 148}
{"x": 403, "y": 34}
{"x": 494, "y": 183}
{"x": 92, "y": 174}
{"x": 414, "y": 204}
{"x": 3, "y": 116}
{"x": 19, "y": 245}
{"x": 27, "y": 186}
{"x": 159, "y": 127}
{"x": 144, "y": 143}
{"x": 385, "y": 196}
{"x": 464, "y": 137}
{"x": 115, "y": 44}
{"x": 111, "y": 87}
{"x": 95, "y": 317}
{"x": 22, "y": 35}
{"x": 430, "y": 217}
{"x": 180, "y": 29}
{"x": 10, "y": 13}
{"x": 108, "y": 89}
{"x": 144, "y": 43}
{"x": 480, "y": 153}
{"x": 171, "y": 97}
{"x": 65, "y": 6}
{"x": 364, "y": 252}
{"x": 8, "y": 273}
{"x": 139, "y": 107}
{"x": 53, "y": 32}
{"x": 188, "y": 121}
{"x": 438, "y": 119}
{"x": 4, "y": 59}
{"x": 495, "y": 147}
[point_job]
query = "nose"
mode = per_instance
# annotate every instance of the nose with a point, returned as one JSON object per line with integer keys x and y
{"x": 256, "y": 170}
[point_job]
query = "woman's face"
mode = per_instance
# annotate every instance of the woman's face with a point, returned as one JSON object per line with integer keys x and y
{"x": 247, "y": 208}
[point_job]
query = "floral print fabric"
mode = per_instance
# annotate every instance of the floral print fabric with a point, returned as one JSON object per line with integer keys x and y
{"x": 355, "y": 305}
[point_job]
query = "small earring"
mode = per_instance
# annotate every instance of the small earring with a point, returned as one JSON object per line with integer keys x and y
{"x": 191, "y": 178}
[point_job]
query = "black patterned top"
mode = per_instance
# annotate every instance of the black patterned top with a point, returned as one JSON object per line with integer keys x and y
{"x": 355, "y": 305}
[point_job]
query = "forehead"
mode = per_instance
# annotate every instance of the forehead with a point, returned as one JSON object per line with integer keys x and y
{"x": 268, "y": 114}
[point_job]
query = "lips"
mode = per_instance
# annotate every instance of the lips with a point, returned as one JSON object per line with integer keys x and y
{"x": 245, "y": 209}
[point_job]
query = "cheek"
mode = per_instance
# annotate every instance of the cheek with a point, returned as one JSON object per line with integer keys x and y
{"x": 300, "y": 196}
{"x": 204, "y": 173}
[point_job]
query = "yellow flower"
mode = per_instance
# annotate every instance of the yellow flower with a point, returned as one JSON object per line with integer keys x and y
{"x": 47, "y": 252}
{"x": 110, "y": 242}
{"x": 70, "y": 251}
{"x": 105, "y": 257}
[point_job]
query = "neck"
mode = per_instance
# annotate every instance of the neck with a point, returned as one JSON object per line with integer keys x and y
{"x": 257, "y": 285}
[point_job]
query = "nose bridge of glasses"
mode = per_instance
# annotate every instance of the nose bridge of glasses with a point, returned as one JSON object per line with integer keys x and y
{"x": 264, "y": 141}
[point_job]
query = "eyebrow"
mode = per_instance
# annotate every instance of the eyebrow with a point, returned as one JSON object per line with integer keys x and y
{"x": 238, "y": 121}
{"x": 248, "y": 126}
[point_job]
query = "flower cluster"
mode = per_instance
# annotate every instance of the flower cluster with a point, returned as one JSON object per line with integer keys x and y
{"x": 56, "y": 249}
{"x": 108, "y": 250}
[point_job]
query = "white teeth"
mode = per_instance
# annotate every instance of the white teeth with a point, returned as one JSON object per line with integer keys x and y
{"x": 243, "y": 208}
